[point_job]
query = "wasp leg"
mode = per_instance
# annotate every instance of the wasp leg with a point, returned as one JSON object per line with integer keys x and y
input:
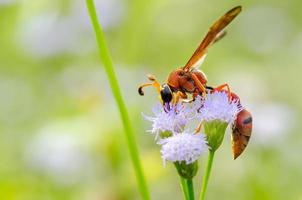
{"x": 198, "y": 84}
{"x": 177, "y": 96}
{"x": 220, "y": 88}
{"x": 154, "y": 83}
{"x": 194, "y": 95}
{"x": 197, "y": 130}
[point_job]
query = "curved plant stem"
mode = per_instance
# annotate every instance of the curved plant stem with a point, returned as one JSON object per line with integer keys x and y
{"x": 206, "y": 175}
{"x": 184, "y": 187}
{"x": 130, "y": 138}
{"x": 190, "y": 189}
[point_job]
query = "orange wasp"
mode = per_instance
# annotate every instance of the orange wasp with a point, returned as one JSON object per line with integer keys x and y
{"x": 188, "y": 79}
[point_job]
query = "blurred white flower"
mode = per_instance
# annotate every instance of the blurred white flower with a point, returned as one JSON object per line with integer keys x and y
{"x": 110, "y": 13}
{"x": 12, "y": 88}
{"x": 7, "y": 2}
{"x": 173, "y": 120}
{"x": 265, "y": 29}
{"x": 59, "y": 154}
{"x": 216, "y": 106}
{"x": 46, "y": 32}
{"x": 184, "y": 146}
{"x": 49, "y": 35}
{"x": 272, "y": 121}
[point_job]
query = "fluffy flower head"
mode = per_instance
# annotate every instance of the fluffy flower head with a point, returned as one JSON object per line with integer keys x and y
{"x": 172, "y": 120}
{"x": 216, "y": 106}
{"x": 183, "y": 147}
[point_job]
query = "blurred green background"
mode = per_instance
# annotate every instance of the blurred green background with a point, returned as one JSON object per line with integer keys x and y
{"x": 61, "y": 136}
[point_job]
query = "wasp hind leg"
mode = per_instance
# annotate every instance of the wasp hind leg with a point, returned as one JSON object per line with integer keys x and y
{"x": 221, "y": 87}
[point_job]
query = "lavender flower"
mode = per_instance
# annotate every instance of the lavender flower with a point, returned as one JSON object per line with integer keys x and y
{"x": 173, "y": 120}
{"x": 216, "y": 106}
{"x": 184, "y": 146}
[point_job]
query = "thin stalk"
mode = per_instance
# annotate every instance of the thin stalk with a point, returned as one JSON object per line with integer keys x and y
{"x": 184, "y": 187}
{"x": 130, "y": 138}
{"x": 190, "y": 189}
{"x": 207, "y": 175}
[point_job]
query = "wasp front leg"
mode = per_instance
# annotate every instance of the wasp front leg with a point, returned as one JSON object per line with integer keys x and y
{"x": 194, "y": 95}
{"x": 199, "y": 85}
{"x": 177, "y": 96}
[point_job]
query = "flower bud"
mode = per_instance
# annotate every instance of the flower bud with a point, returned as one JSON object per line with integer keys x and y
{"x": 187, "y": 171}
{"x": 215, "y": 131}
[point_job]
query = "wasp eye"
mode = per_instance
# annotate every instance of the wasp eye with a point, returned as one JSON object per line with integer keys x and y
{"x": 166, "y": 94}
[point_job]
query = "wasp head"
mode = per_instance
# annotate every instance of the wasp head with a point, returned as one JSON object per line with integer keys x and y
{"x": 166, "y": 96}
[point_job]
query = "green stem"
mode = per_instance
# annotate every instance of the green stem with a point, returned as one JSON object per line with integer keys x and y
{"x": 190, "y": 189}
{"x": 206, "y": 175}
{"x": 184, "y": 187}
{"x": 130, "y": 138}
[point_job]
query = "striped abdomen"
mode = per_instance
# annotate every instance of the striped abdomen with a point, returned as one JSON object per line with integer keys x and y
{"x": 241, "y": 132}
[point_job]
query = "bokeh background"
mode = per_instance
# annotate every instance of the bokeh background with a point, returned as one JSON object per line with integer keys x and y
{"x": 60, "y": 132}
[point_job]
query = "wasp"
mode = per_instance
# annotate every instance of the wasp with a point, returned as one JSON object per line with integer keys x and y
{"x": 189, "y": 79}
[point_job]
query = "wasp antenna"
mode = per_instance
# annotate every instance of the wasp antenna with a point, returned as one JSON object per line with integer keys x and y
{"x": 151, "y": 77}
{"x": 140, "y": 91}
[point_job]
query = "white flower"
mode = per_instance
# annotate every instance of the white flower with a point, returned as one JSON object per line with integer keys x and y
{"x": 183, "y": 147}
{"x": 173, "y": 120}
{"x": 216, "y": 106}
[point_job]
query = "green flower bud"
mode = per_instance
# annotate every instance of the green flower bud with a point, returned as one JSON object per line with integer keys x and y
{"x": 187, "y": 171}
{"x": 215, "y": 131}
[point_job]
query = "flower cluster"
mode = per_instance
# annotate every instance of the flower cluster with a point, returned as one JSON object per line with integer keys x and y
{"x": 217, "y": 106}
{"x": 183, "y": 145}
{"x": 173, "y": 120}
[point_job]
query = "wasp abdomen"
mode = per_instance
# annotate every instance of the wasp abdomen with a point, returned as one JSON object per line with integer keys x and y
{"x": 241, "y": 132}
{"x": 248, "y": 121}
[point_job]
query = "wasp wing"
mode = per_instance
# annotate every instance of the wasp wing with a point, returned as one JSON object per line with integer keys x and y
{"x": 203, "y": 57}
{"x": 215, "y": 33}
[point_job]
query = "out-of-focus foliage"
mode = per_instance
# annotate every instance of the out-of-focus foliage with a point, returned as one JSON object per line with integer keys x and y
{"x": 61, "y": 137}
